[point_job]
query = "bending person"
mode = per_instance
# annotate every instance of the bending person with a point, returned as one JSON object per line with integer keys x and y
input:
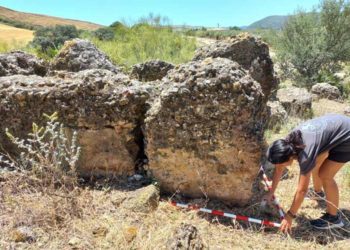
{"x": 322, "y": 147}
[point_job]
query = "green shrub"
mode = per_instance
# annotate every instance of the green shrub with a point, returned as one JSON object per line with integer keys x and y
{"x": 317, "y": 40}
{"x": 48, "y": 40}
{"x": 143, "y": 42}
{"x": 104, "y": 34}
{"x": 47, "y": 154}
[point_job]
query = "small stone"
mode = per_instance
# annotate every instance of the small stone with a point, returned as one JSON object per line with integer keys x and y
{"x": 74, "y": 242}
{"x": 100, "y": 231}
{"x": 186, "y": 237}
{"x": 23, "y": 234}
{"x": 130, "y": 233}
{"x": 143, "y": 200}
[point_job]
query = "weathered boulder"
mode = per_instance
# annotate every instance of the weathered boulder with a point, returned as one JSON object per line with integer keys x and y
{"x": 77, "y": 55}
{"x": 277, "y": 114}
{"x": 205, "y": 131}
{"x": 250, "y": 52}
{"x": 186, "y": 237}
{"x": 151, "y": 70}
{"x": 105, "y": 108}
{"x": 296, "y": 101}
{"x": 21, "y": 63}
{"x": 325, "y": 90}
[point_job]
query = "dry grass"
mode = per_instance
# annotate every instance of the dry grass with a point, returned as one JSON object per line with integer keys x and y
{"x": 43, "y": 20}
{"x": 92, "y": 218}
{"x": 324, "y": 106}
{"x": 9, "y": 34}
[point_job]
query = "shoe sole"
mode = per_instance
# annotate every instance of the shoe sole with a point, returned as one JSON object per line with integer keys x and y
{"x": 330, "y": 226}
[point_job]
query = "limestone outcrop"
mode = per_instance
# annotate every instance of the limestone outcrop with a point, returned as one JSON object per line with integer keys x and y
{"x": 296, "y": 101}
{"x": 151, "y": 70}
{"x": 21, "y": 63}
{"x": 200, "y": 124}
{"x": 325, "y": 90}
{"x": 277, "y": 115}
{"x": 105, "y": 108}
{"x": 250, "y": 52}
{"x": 205, "y": 131}
{"x": 78, "y": 54}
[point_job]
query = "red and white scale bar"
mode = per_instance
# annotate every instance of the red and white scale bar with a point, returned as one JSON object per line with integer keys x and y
{"x": 275, "y": 200}
{"x": 224, "y": 214}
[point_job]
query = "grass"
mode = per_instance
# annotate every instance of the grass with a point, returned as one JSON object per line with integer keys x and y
{"x": 12, "y": 38}
{"x": 144, "y": 42}
{"x": 90, "y": 217}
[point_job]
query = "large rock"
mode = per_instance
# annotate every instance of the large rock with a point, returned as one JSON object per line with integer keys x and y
{"x": 296, "y": 101}
{"x": 277, "y": 115}
{"x": 151, "y": 70}
{"x": 325, "y": 90}
{"x": 250, "y": 52}
{"x": 21, "y": 63}
{"x": 205, "y": 131}
{"x": 106, "y": 109}
{"x": 77, "y": 55}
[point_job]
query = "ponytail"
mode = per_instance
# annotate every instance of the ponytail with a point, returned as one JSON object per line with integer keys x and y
{"x": 295, "y": 140}
{"x": 281, "y": 150}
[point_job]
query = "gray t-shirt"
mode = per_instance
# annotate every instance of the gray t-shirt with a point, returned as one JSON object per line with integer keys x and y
{"x": 322, "y": 134}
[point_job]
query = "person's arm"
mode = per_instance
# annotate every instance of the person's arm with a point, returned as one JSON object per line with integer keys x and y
{"x": 276, "y": 178}
{"x": 303, "y": 185}
{"x": 299, "y": 196}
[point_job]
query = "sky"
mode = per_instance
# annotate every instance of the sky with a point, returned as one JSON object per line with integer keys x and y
{"x": 209, "y": 13}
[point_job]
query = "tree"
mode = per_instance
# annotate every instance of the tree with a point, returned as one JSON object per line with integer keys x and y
{"x": 317, "y": 40}
{"x": 51, "y": 38}
{"x": 335, "y": 18}
{"x": 104, "y": 34}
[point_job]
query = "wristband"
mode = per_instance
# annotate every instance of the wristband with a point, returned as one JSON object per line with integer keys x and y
{"x": 291, "y": 214}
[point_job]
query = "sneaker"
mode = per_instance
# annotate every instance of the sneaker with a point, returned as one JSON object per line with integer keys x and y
{"x": 313, "y": 195}
{"x": 327, "y": 221}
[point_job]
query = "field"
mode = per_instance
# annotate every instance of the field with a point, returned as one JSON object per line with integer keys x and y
{"x": 11, "y": 34}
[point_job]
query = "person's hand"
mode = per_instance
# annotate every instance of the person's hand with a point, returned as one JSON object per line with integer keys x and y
{"x": 286, "y": 225}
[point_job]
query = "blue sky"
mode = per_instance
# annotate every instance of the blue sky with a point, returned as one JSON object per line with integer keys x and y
{"x": 190, "y": 12}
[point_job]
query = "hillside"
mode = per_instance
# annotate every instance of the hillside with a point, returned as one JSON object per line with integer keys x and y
{"x": 11, "y": 16}
{"x": 270, "y": 22}
{"x": 9, "y": 34}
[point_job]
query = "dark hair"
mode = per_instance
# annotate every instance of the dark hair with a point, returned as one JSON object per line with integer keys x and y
{"x": 281, "y": 150}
